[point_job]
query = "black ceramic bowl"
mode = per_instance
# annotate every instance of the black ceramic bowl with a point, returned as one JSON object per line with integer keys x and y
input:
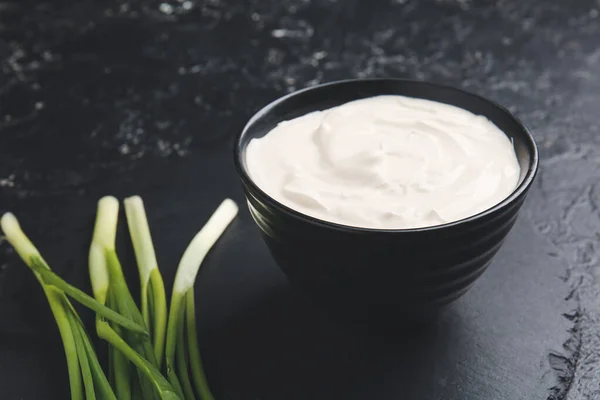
{"x": 360, "y": 270}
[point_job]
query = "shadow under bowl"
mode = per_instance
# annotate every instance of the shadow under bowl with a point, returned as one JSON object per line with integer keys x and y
{"x": 377, "y": 273}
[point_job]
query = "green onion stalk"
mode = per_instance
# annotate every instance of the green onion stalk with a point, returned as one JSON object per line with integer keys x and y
{"x": 104, "y": 237}
{"x": 153, "y": 298}
{"x": 136, "y": 349}
{"x": 182, "y": 308}
{"x": 86, "y": 378}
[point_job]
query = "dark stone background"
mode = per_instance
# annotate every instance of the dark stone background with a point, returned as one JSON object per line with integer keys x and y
{"x": 144, "y": 96}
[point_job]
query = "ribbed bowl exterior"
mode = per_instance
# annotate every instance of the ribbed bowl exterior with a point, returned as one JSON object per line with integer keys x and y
{"x": 357, "y": 270}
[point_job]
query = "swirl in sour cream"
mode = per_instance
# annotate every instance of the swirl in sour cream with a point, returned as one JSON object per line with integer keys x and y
{"x": 386, "y": 162}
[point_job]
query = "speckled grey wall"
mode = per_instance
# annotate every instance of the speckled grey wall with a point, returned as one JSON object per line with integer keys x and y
{"x": 146, "y": 96}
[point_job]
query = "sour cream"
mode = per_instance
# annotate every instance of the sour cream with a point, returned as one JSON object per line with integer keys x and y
{"x": 386, "y": 162}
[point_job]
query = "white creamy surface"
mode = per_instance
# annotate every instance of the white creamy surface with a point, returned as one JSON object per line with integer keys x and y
{"x": 387, "y": 162}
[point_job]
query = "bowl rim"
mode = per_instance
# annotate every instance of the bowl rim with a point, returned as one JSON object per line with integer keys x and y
{"x": 520, "y": 190}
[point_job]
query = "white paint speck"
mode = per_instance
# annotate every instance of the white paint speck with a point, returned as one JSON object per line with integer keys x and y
{"x": 593, "y": 13}
{"x": 319, "y": 55}
{"x": 506, "y": 41}
{"x": 163, "y": 147}
{"x": 187, "y": 5}
{"x": 39, "y": 105}
{"x": 166, "y": 8}
{"x": 298, "y": 30}
{"x": 124, "y": 149}
{"x": 8, "y": 181}
{"x": 279, "y": 33}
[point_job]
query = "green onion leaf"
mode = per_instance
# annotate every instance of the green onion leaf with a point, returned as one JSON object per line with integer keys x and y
{"x": 198, "y": 375}
{"x": 162, "y": 386}
{"x": 88, "y": 380}
{"x": 182, "y": 362}
{"x": 50, "y": 278}
{"x": 123, "y": 378}
{"x": 103, "y": 388}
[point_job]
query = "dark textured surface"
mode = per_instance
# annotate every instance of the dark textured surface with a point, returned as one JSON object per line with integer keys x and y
{"x": 145, "y": 97}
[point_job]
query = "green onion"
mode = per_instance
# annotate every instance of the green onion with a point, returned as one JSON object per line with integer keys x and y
{"x": 138, "y": 347}
{"x": 121, "y": 364}
{"x": 27, "y": 251}
{"x": 55, "y": 299}
{"x": 126, "y": 306}
{"x": 198, "y": 374}
{"x": 182, "y": 359}
{"x": 160, "y": 383}
{"x": 136, "y": 338}
{"x": 50, "y": 278}
{"x": 82, "y": 364}
{"x": 153, "y": 298}
{"x": 184, "y": 283}
{"x": 103, "y": 388}
{"x": 105, "y": 233}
